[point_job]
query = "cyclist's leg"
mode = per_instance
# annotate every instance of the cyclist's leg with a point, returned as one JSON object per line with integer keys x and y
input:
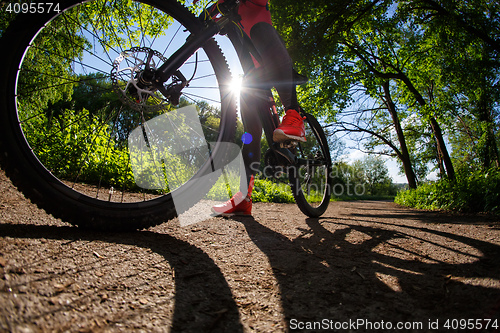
{"x": 257, "y": 23}
{"x": 279, "y": 67}
{"x": 276, "y": 61}
{"x": 278, "y": 70}
{"x": 252, "y": 101}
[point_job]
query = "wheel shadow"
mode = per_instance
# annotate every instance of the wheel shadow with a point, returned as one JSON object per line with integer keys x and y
{"x": 203, "y": 301}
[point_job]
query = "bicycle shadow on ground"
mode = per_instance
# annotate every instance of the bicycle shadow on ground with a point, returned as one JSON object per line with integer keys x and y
{"x": 348, "y": 269}
{"x": 137, "y": 292}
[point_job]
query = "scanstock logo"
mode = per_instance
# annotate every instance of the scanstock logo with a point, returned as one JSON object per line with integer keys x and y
{"x": 169, "y": 154}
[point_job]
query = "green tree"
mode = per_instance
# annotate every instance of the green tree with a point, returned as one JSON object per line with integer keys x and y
{"x": 374, "y": 174}
{"x": 424, "y": 61}
{"x": 456, "y": 36}
{"x": 364, "y": 58}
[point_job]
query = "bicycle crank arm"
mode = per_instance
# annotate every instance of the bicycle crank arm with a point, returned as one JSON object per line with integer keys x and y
{"x": 285, "y": 153}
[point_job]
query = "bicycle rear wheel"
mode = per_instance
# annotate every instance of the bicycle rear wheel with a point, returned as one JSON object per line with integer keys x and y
{"x": 310, "y": 180}
{"x": 70, "y": 97}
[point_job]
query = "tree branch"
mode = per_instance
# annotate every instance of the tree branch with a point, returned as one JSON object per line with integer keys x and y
{"x": 359, "y": 129}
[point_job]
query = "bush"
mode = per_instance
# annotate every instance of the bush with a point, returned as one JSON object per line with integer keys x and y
{"x": 65, "y": 147}
{"x": 264, "y": 190}
{"x": 267, "y": 191}
{"x": 475, "y": 191}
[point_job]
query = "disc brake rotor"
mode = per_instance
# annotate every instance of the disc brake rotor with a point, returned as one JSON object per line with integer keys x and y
{"x": 126, "y": 76}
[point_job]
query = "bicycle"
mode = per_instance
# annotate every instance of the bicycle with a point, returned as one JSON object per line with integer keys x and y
{"x": 80, "y": 78}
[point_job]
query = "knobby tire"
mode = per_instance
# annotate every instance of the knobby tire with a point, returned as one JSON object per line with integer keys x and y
{"x": 45, "y": 189}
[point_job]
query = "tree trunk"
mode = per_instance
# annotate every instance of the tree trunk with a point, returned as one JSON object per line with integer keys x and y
{"x": 405, "y": 156}
{"x": 442, "y": 171}
{"x": 442, "y": 150}
{"x": 436, "y": 129}
{"x": 488, "y": 149}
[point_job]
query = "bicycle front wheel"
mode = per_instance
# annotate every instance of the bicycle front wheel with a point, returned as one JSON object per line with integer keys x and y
{"x": 310, "y": 179}
{"x": 72, "y": 93}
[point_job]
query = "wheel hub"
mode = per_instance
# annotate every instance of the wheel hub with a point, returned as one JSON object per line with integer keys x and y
{"x": 132, "y": 78}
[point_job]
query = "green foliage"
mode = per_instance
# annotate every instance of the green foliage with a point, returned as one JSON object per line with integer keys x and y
{"x": 268, "y": 191}
{"x": 368, "y": 177}
{"x": 65, "y": 147}
{"x": 439, "y": 60}
{"x": 113, "y": 19}
{"x": 440, "y": 57}
{"x": 5, "y": 17}
{"x": 473, "y": 191}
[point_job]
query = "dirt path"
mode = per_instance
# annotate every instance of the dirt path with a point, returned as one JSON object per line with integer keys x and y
{"x": 363, "y": 263}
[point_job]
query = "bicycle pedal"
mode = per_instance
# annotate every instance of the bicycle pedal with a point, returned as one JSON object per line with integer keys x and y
{"x": 289, "y": 144}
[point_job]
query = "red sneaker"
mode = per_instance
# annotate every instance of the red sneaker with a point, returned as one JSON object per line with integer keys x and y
{"x": 291, "y": 128}
{"x": 237, "y": 205}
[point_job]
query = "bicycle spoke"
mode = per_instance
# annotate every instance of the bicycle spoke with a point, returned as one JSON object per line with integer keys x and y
{"x": 203, "y": 77}
{"x": 195, "y": 98}
{"x": 100, "y": 48}
{"x": 171, "y": 40}
{"x": 67, "y": 81}
{"x": 104, "y": 45}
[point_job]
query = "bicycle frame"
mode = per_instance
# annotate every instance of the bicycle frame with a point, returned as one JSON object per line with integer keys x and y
{"x": 194, "y": 42}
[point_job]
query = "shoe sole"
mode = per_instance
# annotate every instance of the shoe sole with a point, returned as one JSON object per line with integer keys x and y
{"x": 230, "y": 214}
{"x": 280, "y": 136}
{"x": 235, "y": 214}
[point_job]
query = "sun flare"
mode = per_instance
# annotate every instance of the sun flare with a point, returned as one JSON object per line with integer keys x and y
{"x": 236, "y": 84}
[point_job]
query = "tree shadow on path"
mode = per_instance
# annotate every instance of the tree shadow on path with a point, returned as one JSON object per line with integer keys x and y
{"x": 372, "y": 269}
{"x": 368, "y": 264}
